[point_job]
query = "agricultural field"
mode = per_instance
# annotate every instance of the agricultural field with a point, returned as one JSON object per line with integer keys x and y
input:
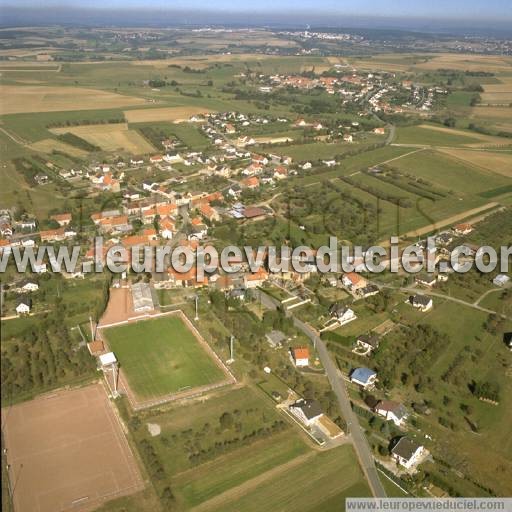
{"x": 500, "y": 163}
{"x": 36, "y": 98}
{"x": 110, "y": 137}
{"x": 172, "y": 114}
{"x": 161, "y": 356}
{"x": 431, "y": 135}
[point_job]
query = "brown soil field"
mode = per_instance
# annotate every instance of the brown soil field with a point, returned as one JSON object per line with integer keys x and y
{"x": 119, "y": 307}
{"x": 174, "y": 114}
{"x": 500, "y": 163}
{"x": 48, "y": 145}
{"x": 32, "y": 98}
{"x": 67, "y": 451}
{"x": 111, "y": 137}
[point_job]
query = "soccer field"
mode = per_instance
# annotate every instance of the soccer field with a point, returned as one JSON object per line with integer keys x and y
{"x": 161, "y": 356}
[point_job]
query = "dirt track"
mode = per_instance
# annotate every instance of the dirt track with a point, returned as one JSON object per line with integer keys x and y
{"x": 67, "y": 451}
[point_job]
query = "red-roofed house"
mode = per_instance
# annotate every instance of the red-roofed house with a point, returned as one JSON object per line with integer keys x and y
{"x": 63, "y": 219}
{"x": 354, "y": 281}
{"x": 300, "y": 356}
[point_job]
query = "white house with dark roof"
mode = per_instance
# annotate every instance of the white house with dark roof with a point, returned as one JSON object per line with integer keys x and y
{"x": 307, "y": 411}
{"x": 393, "y": 411}
{"x": 421, "y": 302}
{"x": 407, "y": 453}
{"x": 24, "y": 306}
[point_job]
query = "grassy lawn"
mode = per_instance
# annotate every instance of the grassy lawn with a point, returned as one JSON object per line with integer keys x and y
{"x": 161, "y": 356}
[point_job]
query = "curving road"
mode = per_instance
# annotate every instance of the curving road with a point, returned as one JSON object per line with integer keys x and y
{"x": 338, "y": 386}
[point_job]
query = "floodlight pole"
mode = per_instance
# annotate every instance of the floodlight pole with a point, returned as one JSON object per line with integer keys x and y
{"x": 231, "y": 350}
{"x": 92, "y": 330}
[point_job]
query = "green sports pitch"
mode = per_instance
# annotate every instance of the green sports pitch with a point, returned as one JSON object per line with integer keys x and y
{"x": 161, "y": 356}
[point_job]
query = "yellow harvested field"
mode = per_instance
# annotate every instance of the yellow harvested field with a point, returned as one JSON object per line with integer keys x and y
{"x": 48, "y": 145}
{"x": 173, "y": 114}
{"x": 111, "y": 137}
{"x": 33, "y": 98}
{"x": 202, "y": 61}
{"x": 462, "y": 62}
{"x": 500, "y": 163}
{"x": 499, "y": 94}
{"x": 504, "y": 113}
{"x": 272, "y": 140}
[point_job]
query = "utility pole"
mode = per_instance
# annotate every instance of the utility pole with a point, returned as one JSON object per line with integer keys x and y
{"x": 197, "y": 308}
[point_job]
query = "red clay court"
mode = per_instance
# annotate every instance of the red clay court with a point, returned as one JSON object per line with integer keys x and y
{"x": 67, "y": 451}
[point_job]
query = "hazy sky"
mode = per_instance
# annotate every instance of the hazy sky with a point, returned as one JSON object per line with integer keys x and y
{"x": 417, "y": 8}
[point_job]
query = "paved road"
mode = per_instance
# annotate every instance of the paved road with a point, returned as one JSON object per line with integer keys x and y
{"x": 338, "y": 386}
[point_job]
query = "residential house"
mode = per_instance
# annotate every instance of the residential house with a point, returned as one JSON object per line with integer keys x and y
{"x": 426, "y": 279}
{"x": 307, "y": 411}
{"x": 364, "y": 377}
{"x": 421, "y": 302}
{"x": 209, "y": 213}
{"x": 348, "y": 138}
{"x": 368, "y": 342}
{"x": 167, "y": 228}
{"x": 250, "y": 183}
{"x": 379, "y": 131}
{"x": 463, "y": 229}
{"x": 24, "y": 306}
{"x": 353, "y": 281}
{"x": 342, "y": 313}
{"x": 368, "y": 291}
{"x": 300, "y": 357}
{"x": 276, "y": 338}
{"x": 62, "y": 219}
{"x": 407, "y": 453}
{"x": 501, "y": 280}
{"x": 27, "y": 286}
{"x": 393, "y": 411}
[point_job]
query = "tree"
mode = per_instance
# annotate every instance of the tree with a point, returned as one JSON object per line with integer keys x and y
{"x": 226, "y": 421}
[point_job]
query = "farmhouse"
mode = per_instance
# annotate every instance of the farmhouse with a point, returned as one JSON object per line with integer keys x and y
{"x": 422, "y": 302}
{"x": 307, "y": 411}
{"x": 364, "y": 377}
{"x": 393, "y": 411}
{"x": 407, "y": 453}
{"x": 300, "y": 357}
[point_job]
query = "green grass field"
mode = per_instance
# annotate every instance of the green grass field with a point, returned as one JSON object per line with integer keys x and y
{"x": 418, "y": 135}
{"x": 321, "y": 483}
{"x": 161, "y": 356}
